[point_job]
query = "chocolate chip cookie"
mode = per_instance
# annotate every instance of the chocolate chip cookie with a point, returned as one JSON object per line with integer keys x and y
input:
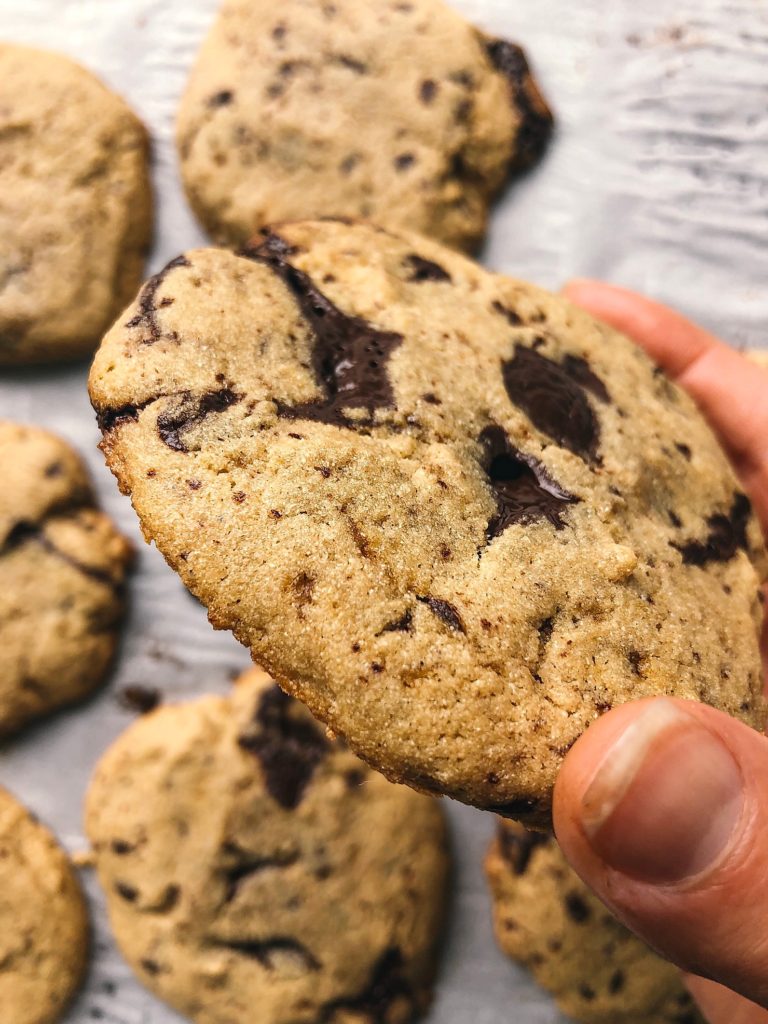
{"x": 75, "y": 207}
{"x": 548, "y": 920}
{"x": 401, "y": 113}
{"x": 43, "y": 920}
{"x": 450, "y": 512}
{"x": 249, "y": 861}
{"x": 62, "y": 569}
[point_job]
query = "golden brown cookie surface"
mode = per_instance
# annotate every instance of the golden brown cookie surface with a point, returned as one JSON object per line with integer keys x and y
{"x": 249, "y": 861}
{"x": 450, "y": 512}
{"x": 75, "y": 207}
{"x": 400, "y": 113}
{"x": 62, "y": 569}
{"x": 43, "y": 920}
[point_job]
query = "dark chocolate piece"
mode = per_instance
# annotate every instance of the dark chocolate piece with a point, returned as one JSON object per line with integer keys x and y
{"x": 221, "y": 99}
{"x": 576, "y": 907}
{"x": 190, "y": 410}
{"x": 289, "y": 747}
{"x": 235, "y": 876}
{"x": 521, "y": 486}
{"x": 147, "y": 315}
{"x": 727, "y": 534}
{"x": 425, "y": 270}
{"x": 578, "y": 369}
{"x": 537, "y": 119}
{"x": 553, "y": 400}
{"x": 142, "y": 699}
{"x": 445, "y": 611}
{"x": 401, "y": 625}
{"x": 388, "y": 984}
{"x": 349, "y": 355}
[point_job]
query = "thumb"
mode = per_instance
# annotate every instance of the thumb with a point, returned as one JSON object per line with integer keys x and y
{"x": 662, "y": 808}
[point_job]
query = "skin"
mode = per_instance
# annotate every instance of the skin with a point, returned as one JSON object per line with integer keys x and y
{"x": 711, "y": 921}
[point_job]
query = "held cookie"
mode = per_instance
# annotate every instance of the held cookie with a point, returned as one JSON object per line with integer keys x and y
{"x": 451, "y": 513}
{"x": 43, "y": 920}
{"x": 403, "y": 114}
{"x": 547, "y": 919}
{"x": 75, "y": 206}
{"x": 62, "y": 569}
{"x": 248, "y": 861}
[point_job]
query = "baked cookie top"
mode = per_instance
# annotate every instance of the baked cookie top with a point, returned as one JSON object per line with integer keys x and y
{"x": 548, "y": 920}
{"x": 62, "y": 569}
{"x": 401, "y": 113}
{"x": 247, "y": 861}
{"x": 450, "y": 512}
{"x": 43, "y": 920}
{"x": 75, "y": 206}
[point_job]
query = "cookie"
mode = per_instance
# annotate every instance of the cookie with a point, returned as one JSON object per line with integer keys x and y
{"x": 43, "y": 920}
{"x": 247, "y": 861}
{"x": 75, "y": 207}
{"x": 547, "y": 919}
{"x": 450, "y": 512}
{"x": 401, "y": 113}
{"x": 62, "y": 569}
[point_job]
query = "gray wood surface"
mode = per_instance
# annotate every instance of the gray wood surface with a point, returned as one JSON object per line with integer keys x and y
{"x": 658, "y": 179}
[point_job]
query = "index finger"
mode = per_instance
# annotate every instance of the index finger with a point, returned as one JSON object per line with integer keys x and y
{"x": 731, "y": 391}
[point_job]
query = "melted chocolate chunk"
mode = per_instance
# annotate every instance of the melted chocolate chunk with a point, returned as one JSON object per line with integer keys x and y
{"x": 147, "y": 315}
{"x": 445, "y": 611}
{"x": 107, "y": 419}
{"x": 546, "y": 628}
{"x": 349, "y": 355}
{"x": 537, "y": 119}
{"x": 521, "y": 486}
{"x": 617, "y": 982}
{"x": 142, "y": 699}
{"x": 517, "y": 847}
{"x": 190, "y": 411}
{"x": 24, "y": 532}
{"x": 428, "y": 90}
{"x": 425, "y": 270}
{"x": 578, "y": 369}
{"x": 264, "y": 950}
{"x": 553, "y": 400}
{"x": 387, "y": 986}
{"x": 727, "y": 534}
{"x": 289, "y": 747}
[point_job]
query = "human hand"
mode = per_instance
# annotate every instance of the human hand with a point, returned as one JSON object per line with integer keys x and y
{"x": 662, "y": 805}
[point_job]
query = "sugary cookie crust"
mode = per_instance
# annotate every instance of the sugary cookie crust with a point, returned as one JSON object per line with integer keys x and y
{"x": 452, "y": 513}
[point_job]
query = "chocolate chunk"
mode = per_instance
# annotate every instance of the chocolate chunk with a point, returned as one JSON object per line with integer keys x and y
{"x": 404, "y": 161}
{"x": 684, "y": 450}
{"x": 351, "y": 63}
{"x": 147, "y": 315}
{"x": 24, "y": 532}
{"x": 428, "y": 91}
{"x": 221, "y": 99}
{"x": 446, "y": 611}
{"x": 553, "y": 400}
{"x": 235, "y": 876}
{"x": 190, "y": 410}
{"x": 425, "y": 270}
{"x": 577, "y": 909}
{"x": 151, "y": 966}
{"x": 264, "y": 950}
{"x": 387, "y": 986}
{"x": 513, "y": 318}
{"x": 126, "y": 892}
{"x": 617, "y": 982}
{"x": 517, "y": 846}
{"x": 349, "y": 355}
{"x": 537, "y": 119}
{"x": 139, "y": 698}
{"x": 121, "y": 847}
{"x": 107, "y": 419}
{"x": 401, "y": 625}
{"x": 521, "y": 486}
{"x": 19, "y": 534}
{"x": 635, "y": 659}
{"x": 578, "y": 369}
{"x": 727, "y": 534}
{"x": 289, "y": 747}
{"x": 545, "y": 630}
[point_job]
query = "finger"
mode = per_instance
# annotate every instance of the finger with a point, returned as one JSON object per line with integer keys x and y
{"x": 731, "y": 391}
{"x": 721, "y": 1006}
{"x": 662, "y": 808}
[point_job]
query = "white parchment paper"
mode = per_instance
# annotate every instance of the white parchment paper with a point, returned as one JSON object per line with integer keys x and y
{"x": 658, "y": 179}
